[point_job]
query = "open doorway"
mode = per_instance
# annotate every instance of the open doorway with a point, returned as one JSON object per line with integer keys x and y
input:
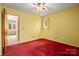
{"x": 12, "y": 29}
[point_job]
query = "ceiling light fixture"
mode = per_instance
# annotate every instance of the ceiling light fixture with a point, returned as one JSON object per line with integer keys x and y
{"x": 39, "y": 6}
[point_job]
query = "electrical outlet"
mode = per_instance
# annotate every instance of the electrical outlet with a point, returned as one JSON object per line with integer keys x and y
{"x": 33, "y": 36}
{"x": 55, "y": 37}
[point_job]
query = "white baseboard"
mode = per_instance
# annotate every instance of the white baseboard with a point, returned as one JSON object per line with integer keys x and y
{"x": 0, "y": 54}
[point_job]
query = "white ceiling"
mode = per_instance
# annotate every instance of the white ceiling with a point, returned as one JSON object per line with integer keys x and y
{"x": 51, "y": 7}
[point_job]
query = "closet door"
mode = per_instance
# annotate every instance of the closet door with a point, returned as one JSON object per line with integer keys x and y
{"x": 4, "y": 29}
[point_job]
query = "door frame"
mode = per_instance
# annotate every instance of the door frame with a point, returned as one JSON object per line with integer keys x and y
{"x": 4, "y": 31}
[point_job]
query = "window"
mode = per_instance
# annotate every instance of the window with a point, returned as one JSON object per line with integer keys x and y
{"x": 45, "y": 23}
{"x": 10, "y": 26}
{"x": 14, "y": 26}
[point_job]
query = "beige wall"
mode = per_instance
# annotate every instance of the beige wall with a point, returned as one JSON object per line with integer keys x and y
{"x": 29, "y": 24}
{"x": 63, "y": 26}
{"x": 0, "y": 32}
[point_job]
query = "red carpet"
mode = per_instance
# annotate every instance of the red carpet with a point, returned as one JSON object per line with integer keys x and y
{"x": 42, "y": 47}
